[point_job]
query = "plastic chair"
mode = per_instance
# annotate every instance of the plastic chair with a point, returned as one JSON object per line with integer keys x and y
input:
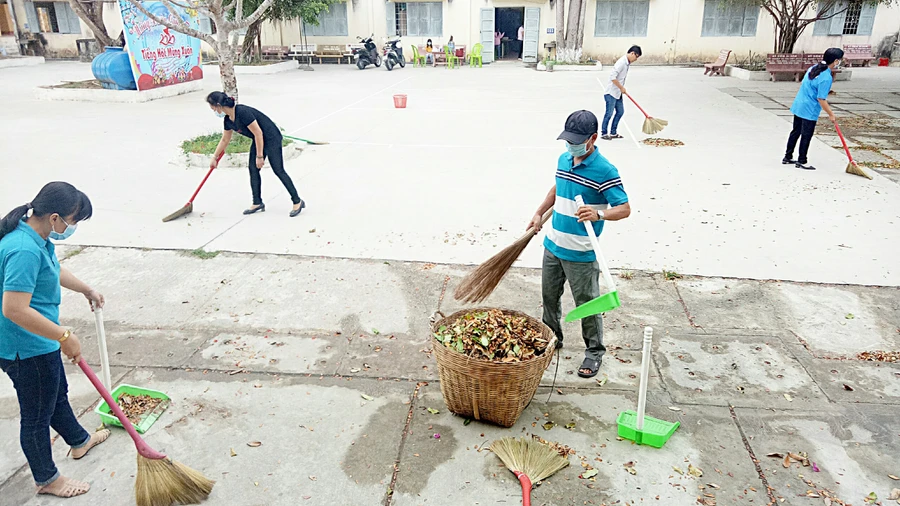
{"x": 418, "y": 59}
{"x": 452, "y": 59}
{"x": 475, "y": 55}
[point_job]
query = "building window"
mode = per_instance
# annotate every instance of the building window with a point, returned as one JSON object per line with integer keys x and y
{"x": 844, "y": 18}
{"x": 332, "y": 22}
{"x": 720, "y": 20}
{"x": 419, "y": 19}
{"x": 206, "y": 25}
{"x": 51, "y": 17}
{"x": 46, "y": 18}
{"x": 621, "y": 18}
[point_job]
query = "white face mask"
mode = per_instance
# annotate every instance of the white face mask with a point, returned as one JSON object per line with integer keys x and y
{"x": 70, "y": 229}
{"x": 219, "y": 114}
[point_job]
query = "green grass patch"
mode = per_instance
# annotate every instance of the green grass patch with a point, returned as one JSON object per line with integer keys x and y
{"x": 202, "y": 254}
{"x": 206, "y": 144}
{"x": 671, "y": 275}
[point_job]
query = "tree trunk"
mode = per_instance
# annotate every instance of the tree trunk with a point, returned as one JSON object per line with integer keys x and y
{"x": 250, "y": 40}
{"x": 572, "y": 23}
{"x": 560, "y": 28}
{"x": 225, "y": 52}
{"x": 92, "y": 15}
{"x": 579, "y": 34}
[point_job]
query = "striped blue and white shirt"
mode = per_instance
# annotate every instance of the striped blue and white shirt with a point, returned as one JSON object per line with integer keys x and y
{"x": 598, "y": 183}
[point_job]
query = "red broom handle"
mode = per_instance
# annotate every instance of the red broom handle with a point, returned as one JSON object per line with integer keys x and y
{"x": 191, "y": 201}
{"x": 142, "y": 447}
{"x": 639, "y": 107}
{"x": 526, "y": 487}
{"x": 844, "y": 142}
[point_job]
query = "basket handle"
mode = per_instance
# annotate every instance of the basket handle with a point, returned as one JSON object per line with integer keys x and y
{"x": 432, "y": 318}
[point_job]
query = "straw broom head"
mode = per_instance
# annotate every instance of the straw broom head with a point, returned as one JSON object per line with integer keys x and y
{"x": 164, "y": 482}
{"x": 653, "y": 125}
{"x": 481, "y": 282}
{"x": 856, "y": 170}
{"x": 535, "y": 460}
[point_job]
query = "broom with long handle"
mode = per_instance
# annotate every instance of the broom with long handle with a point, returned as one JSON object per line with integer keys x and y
{"x": 104, "y": 353}
{"x": 314, "y": 143}
{"x": 189, "y": 207}
{"x": 482, "y": 281}
{"x": 529, "y": 461}
{"x": 852, "y": 167}
{"x": 160, "y": 480}
{"x": 651, "y": 125}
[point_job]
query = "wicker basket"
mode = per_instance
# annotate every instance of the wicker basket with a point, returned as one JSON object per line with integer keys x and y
{"x": 489, "y": 391}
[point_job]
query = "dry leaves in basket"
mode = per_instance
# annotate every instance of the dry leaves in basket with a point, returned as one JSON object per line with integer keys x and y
{"x": 134, "y": 406}
{"x": 493, "y": 335}
{"x": 656, "y": 141}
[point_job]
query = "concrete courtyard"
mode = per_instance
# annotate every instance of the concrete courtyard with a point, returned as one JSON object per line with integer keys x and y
{"x": 786, "y": 276}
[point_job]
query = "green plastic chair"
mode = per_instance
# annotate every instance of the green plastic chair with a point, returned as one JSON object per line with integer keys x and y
{"x": 452, "y": 59}
{"x": 418, "y": 59}
{"x": 475, "y": 55}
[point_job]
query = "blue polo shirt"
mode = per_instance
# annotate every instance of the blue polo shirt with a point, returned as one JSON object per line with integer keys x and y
{"x": 28, "y": 264}
{"x": 806, "y": 104}
{"x": 598, "y": 183}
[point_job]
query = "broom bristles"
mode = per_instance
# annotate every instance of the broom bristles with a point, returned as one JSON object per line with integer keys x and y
{"x": 179, "y": 213}
{"x": 537, "y": 461}
{"x": 164, "y": 482}
{"x": 856, "y": 170}
{"x": 653, "y": 125}
{"x": 481, "y": 282}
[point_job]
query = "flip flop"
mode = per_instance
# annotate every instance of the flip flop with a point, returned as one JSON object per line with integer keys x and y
{"x": 616, "y": 136}
{"x": 591, "y": 365}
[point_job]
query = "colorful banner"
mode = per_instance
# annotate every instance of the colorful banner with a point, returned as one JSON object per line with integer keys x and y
{"x": 160, "y": 56}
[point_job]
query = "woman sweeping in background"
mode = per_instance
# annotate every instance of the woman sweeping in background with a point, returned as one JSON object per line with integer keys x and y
{"x": 808, "y": 105}
{"x": 266, "y": 143}
{"x": 30, "y": 335}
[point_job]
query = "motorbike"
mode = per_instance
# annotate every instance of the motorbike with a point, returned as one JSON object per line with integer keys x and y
{"x": 368, "y": 54}
{"x": 393, "y": 53}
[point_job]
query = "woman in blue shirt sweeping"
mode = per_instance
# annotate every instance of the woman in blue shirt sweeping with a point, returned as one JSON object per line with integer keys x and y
{"x": 808, "y": 105}
{"x": 30, "y": 335}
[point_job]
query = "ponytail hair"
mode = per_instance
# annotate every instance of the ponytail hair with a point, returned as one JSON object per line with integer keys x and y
{"x": 54, "y": 198}
{"x": 220, "y": 99}
{"x": 831, "y": 54}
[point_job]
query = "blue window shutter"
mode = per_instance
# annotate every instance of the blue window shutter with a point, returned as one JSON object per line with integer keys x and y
{"x": 751, "y": 19}
{"x": 390, "y": 17}
{"x": 74, "y": 20}
{"x": 641, "y": 15}
{"x": 601, "y": 26}
{"x": 412, "y": 19}
{"x": 837, "y": 22}
{"x": 439, "y": 9}
{"x": 615, "y": 19}
{"x": 709, "y": 19}
{"x": 31, "y": 18}
{"x": 735, "y": 20}
{"x": 627, "y": 29}
{"x": 66, "y": 19}
{"x": 866, "y": 19}
{"x": 822, "y": 26}
{"x": 206, "y": 24}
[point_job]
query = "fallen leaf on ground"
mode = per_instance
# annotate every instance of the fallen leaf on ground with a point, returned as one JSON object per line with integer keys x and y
{"x": 891, "y": 476}
{"x": 629, "y": 466}
{"x": 590, "y": 473}
{"x": 848, "y": 387}
{"x": 895, "y": 494}
{"x": 673, "y": 408}
{"x": 232, "y": 453}
{"x": 787, "y": 461}
{"x": 433, "y": 411}
{"x": 254, "y": 444}
{"x": 712, "y": 485}
{"x": 871, "y": 498}
{"x": 678, "y": 470}
{"x": 776, "y": 455}
{"x": 695, "y": 471}
{"x": 570, "y": 425}
{"x": 849, "y": 316}
{"x": 367, "y": 397}
{"x": 788, "y": 397}
{"x": 602, "y": 382}
{"x": 658, "y": 142}
{"x": 467, "y": 421}
{"x": 815, "y": 468}
{"x": 312, "y": 478}
{"x": 549, "y": 425}
{"x": 796, "y": 457}
{"x": 354, "y": 370}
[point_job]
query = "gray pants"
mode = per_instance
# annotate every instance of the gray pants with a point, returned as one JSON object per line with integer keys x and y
{"x": 584, "y": 281}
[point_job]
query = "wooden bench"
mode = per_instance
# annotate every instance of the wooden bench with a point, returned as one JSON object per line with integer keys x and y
{"x": 718, "y": 66}
{"x": 302, "y": 50}
{"x": 858, "y": 53}
{"x": 279, "y": 52}
{"x": 330, "y": 52}
{"x": 348, "y": 52}
{"x": 790, "y": 63}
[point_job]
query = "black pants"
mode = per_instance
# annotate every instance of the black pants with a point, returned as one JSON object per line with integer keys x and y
{"x": 272, "y": 151}
{"x": 803, "y": 130}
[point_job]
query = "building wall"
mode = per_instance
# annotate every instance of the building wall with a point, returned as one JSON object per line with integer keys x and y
{"x": 59, "y": 45}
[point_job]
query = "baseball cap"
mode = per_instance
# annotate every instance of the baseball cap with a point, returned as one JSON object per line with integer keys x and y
{"x": 580, "y": 125}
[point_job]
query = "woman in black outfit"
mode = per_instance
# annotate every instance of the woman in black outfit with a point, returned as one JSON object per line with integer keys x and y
{"x": 267, "y": 140}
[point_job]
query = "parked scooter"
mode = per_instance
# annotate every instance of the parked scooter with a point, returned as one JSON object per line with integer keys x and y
{"x": 368, "y": 54}
{"x": 393, "y": 53}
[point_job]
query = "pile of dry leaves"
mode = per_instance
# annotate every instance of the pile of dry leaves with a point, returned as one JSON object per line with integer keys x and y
{"x": 135, "y": 406}
{"x": 880, "y": 356}
{"x": 494, "y": 335}
{"x": 656, "y": 141}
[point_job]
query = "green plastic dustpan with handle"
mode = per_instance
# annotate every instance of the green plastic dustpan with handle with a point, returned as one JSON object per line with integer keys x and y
{"x": 607, "y": 301}
{"x": 635, "y": 426}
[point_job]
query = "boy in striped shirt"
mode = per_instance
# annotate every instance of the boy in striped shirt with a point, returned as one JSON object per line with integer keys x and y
{"x": 568, "y": 255}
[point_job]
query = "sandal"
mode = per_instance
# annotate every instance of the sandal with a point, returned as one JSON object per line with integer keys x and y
{"x": 605, "y": 137}
{"x": 96, "y": 438}
{"x": 615, "y": 136}
{"x": 591, "y": 365}
{"x": 69, "y": 488}
{"x": 804, "y": 166}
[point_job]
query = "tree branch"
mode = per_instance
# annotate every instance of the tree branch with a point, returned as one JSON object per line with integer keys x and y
{"x": 181, "y": 28}
{"x": 100, "y": 32}
{"x": 253, "y": 17}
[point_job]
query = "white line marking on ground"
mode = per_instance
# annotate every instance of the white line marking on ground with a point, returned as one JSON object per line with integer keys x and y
{"x": 292, "y": 132}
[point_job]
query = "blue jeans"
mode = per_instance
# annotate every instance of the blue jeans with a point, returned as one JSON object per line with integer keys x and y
{"x": 41, "y": 387}
{"x": 619, "y": 106}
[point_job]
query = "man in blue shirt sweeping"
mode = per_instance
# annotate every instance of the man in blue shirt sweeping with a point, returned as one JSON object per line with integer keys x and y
{"x": 568, "y": 254}
{"x": 808, "y": 105}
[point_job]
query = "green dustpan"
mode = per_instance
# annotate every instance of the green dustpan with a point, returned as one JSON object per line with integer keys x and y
{"x": 635, "y": 426}
{"x": 607, "y": 301}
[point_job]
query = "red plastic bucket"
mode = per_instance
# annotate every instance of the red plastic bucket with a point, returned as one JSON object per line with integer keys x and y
{"x": 400, "y": 101}
{"x": 884, "y": 62}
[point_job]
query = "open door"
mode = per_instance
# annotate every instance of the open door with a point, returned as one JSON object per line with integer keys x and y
{"x": 532, "y": 35}
{"x": 487, "y": 35}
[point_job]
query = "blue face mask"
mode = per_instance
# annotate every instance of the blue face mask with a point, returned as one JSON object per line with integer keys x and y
{"x": 577, "y": 150}
{"x": 70, "y": 229}
{"x": 219, "y": 114}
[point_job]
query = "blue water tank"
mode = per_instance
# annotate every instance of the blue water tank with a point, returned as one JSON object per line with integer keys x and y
{"x": 113, "y": 69}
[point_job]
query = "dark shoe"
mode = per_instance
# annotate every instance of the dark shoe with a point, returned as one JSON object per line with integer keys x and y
{"x": 787, "y": 161}
{"x": 590, "y": 365}
{"x": 605, "y": 137}
{"x": 804, "y": 166}
{"x": 295, "y": 212}
{"x": 559, "y": 345}
{"x": 615, "y": 136}
{"x": 259, "y": 209}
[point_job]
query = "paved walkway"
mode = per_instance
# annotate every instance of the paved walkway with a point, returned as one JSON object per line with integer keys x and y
{"x": 282, "y": 349}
